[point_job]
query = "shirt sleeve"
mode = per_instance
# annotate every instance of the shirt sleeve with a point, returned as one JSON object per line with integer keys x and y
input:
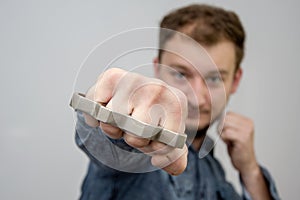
{"x": 270, "y": 184}
{"x": 113, "y": 153}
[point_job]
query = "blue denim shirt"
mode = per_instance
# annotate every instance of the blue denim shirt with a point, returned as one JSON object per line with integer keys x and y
{"x": 202, "y": 179}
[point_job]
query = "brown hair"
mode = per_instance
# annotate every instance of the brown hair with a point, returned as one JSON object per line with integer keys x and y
{"x": 206, "y": 24}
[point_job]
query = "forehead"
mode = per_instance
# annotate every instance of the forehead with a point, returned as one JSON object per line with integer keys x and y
{"x": 184, "y": 51}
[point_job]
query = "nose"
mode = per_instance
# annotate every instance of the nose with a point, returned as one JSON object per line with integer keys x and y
{"x": 199, "y": 95}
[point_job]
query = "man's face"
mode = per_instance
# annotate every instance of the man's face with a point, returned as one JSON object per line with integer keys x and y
{"x": 207, "y": 81}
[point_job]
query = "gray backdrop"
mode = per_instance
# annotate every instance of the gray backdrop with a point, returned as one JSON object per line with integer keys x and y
{"x": 43, "y": 43}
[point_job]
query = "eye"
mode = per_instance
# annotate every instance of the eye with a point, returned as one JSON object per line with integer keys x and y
{"x": 214, "y": 80}
{"x": 179, "y": 75}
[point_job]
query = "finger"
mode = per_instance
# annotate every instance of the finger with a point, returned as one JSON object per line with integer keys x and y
{"x": 230, "y": 140}
{"x": 135, "y": 141}
{"x": 240, "y": 124}
{"x": 175, "y": 104}
{"x": 236, "y": 118}
{"x": 174, "y": 162}
{"x": 229, "y": 136}
{"x": 158, "y": 104}
{"x": 141, "y": 113}
{"x": 231, "y": 125}
{"x": 105, "y": 87}
{"x": 111, "y": 131}
{"x": 156, "y": 148}
{"x": 168, "y": 109}
{"x": 102, "y": 92}
{"x": 89, "y": 120}
{"x": 233, "y": 121}
{"x": 152, "y": 111}
{"x": 107, "y": 91}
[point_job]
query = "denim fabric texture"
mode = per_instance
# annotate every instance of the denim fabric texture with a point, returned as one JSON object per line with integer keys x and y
{"x": 202, "y": 179}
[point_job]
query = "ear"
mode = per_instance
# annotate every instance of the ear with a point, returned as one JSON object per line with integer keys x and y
{"x": 156, "y": 67}
{"x": 236, "y": 80}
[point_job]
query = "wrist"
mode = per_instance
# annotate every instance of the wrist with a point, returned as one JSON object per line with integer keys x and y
{"x": 252, "y": 170}
{"x": 251, "y": 173}
{"x": 255, "y": 184}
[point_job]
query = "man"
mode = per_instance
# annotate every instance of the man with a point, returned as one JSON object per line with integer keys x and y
{"x": 192, "y": 94}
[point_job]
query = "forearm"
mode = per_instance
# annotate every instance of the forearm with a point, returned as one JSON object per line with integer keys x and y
{"x": 114, "y": 153}
{"x": 256, "y": 184}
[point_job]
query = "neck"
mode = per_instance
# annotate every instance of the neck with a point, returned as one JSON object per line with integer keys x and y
{"x": 199, "y": 137}
{"x": 197, "y": 143}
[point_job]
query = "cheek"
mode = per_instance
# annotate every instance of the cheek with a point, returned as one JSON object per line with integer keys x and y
{"x": 219, "y": 99}
{"x": 162, "y": 75}
{"x": 228, "y": 88}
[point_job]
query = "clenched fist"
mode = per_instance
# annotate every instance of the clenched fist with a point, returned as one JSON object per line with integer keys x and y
{"x": 146, "y": 99}
{"x": 238, "y": 133}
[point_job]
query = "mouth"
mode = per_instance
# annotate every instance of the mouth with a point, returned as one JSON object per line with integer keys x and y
{"x": 193, "y": 112}
{"x": 196, "y": 112}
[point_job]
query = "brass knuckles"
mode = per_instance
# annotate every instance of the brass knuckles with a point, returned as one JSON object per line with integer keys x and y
{"x": 126, "y": 122}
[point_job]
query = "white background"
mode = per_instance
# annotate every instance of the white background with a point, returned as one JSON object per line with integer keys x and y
{"x": 42, "y": 44}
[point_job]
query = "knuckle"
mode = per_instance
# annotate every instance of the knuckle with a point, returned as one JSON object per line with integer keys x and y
{"x": 158, "y": 90}
{"x": 135, "y": 141}
{"x": 113, "y": 71}
{"x": 155, "y": 161}
{"x": 111, "y": 131}
{"x": 111, "y": 75}
{"x": 181, "y": 96}
{"x": 160, "y": 161}
{"x": 250, "y": 124}
{"x": 179, "y": 168}
{"x": 156, "y": 146}
{"x": 91, "y": 93}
